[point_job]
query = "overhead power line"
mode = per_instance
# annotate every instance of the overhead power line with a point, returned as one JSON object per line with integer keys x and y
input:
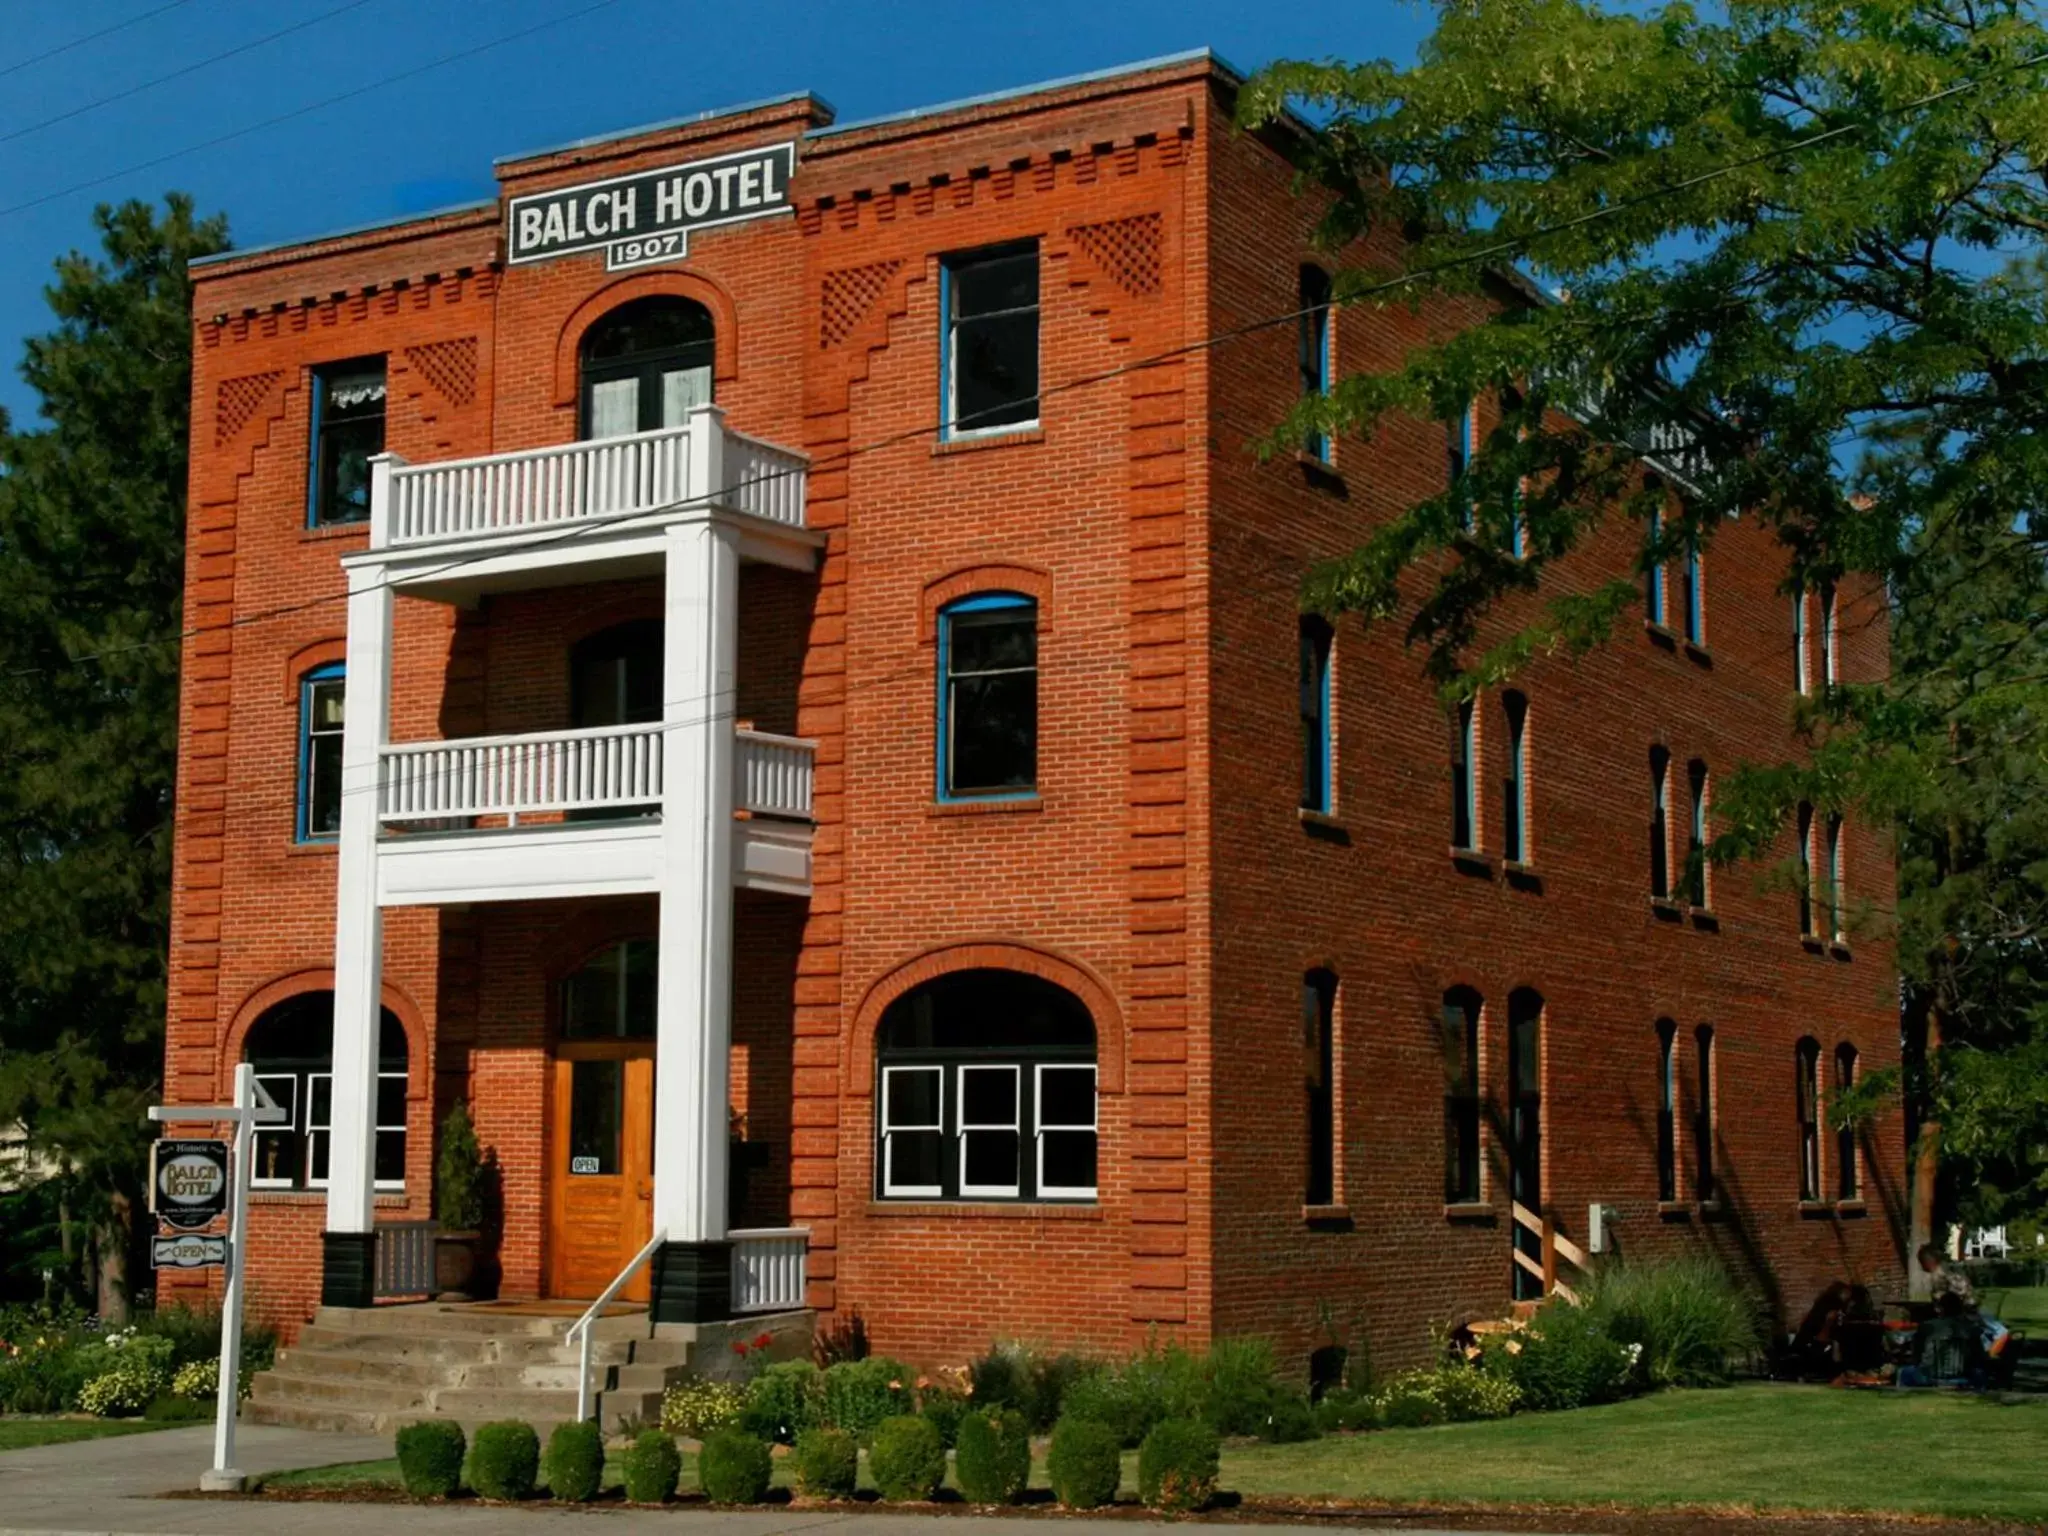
{"x": 90, "y": 37}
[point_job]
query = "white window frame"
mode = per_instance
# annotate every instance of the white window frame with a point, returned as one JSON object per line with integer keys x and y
{"x": 271, "y": 1082}
{"x": 1049, "y": 1191}
{"x": 889, "y": 1130}
{"x": 1014, "y": 1126}
{"x": 950, "y": 267}
{"x": 326, "y": 1129}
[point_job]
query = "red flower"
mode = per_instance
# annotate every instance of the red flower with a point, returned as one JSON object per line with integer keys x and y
{"x": 739, "y": 1348}
{"x": 763, "y": 1340}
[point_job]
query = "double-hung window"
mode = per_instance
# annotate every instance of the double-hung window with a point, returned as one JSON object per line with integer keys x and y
{"x": 321, "y": 702}
{"x": 1461, "y": 1096}
{"x": 291, "y": 1048}
{"x": 1312, "y": 348}
{"x": 988, "y": 698}
{"x": 989, "y": 362}
{"x": 1515, "y": 787}
{"x": 1848, "y": 1185}
{"x": 1319, "y": 1076}
{"x": 347, "y": 432}
{"x": 1660, "y": 823}
{"x": 1465, "y": 777}
{"x": 1806, "y": 1088}
{"x": 1706, "y": 1186}
{"x": 913, "y": 1130}
{"x": 1836, "y": 931}
{"x": 1802, "y": 674}
{"x": 1698, "y": 889}
{"x": 1317, "y": 739}
{"x": 1828, "y": 635}
{"x": 1804, "y": 856}
{"x": 1695, "y": 594}
{"x": 1653, "y": 576}
{"x": 1667, "y": 1111}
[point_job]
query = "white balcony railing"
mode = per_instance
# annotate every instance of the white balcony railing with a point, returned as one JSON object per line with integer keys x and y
{"x": 549, "y": 771}
{"x": 768, "y": 1268}
{"x": 644, "y": 473}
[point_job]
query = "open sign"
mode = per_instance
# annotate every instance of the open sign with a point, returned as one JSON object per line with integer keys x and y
{"x": 188, "y": 1182}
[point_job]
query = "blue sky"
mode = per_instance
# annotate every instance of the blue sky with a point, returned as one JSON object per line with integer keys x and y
{"x": 428, "y": 140}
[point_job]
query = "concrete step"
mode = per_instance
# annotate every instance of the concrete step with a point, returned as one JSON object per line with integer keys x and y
{"x": 342, "y": 1392}
{"x": 478, "y": 1403}
{"x": 458, "y": 1348}
{"x": 443, "y": 1318}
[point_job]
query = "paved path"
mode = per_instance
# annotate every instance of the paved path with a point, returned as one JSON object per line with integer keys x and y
{"x": 108, "y": 1488}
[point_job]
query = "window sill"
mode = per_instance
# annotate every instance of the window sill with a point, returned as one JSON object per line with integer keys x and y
{"x": 1473, "y": 861}
{"x": 1812, "y": 1210}
{"x": 1840, "y": 950}
{"x": 986, "y": 1210}
{"x": 1327, "y": 1218}
{"x": 1851, "y": 1208}
{"x": 1324, "y": 827}
{"x": 1674, "y": 1210}
{"x": 1703, "y": 918}
{"x": 994, "y": 437}
{"x": 1812, "y": 944}
{"x": 993, "y": 806}
{"x": 1698, "y": 654}
{"x": 1710, "y": 1210}
{"x": 1321, "y": 474}
{"x": 1522, "y": 876}
{"x": 1476, "y": 1212}
{"x": 386, "y": 1199}
{"x": 321, "y": 533}
{"x": 310, "y": 848}
{"x": 1659, "y": 635}
{"x": 1664, "y": 909}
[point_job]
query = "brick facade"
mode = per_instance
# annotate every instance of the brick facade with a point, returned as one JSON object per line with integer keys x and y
{"x": 1163, "y": 874}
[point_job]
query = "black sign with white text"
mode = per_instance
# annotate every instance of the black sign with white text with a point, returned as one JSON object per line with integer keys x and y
{"x": 188, "y": 1182}
{"x": 647, "y": 216}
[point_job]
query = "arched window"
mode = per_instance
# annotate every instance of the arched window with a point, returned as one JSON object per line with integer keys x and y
{"x": 1515, "y": 787}
{"x": 1697, "y": 887}
{"x": 1706, "y": 1186}
{"x": 986, "y": 1091}
{"x": 1805, "y": 858}
{"x": 1802, "y": 675}
{"x": 1836, "y": 932}
{"x": 1660, "y": 823}
{"x": 1312, "y": 347}
{"x": 322, "y": 696}
{"x": 988, "y": 697}
{"x": 1525, "y": 1134}
{"x": 645, "y": 365}
{"x": 1667, "y": 1111}
{"x": 1695, "y": 594}
{"x": 1806, "y": 1087}
{"x": 1848, "y": 1180}
{"x": 1827, "y": 635}
{"x": 1653, "y": 575}
{"x": 292, "y": 1049}
{"x": 611, "y": 995}
{"x": 1317, "y": 752}
{"x": 1461, "y": 1015}
{"x": 1319, "y": 1075}
{"x": 1461, "y": 440}
{"x": 1465, "y": 776}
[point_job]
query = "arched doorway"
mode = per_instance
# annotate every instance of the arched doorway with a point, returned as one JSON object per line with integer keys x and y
{"x": 985, "y": 1090}
{"x": 600, "y": 1155}
{"x": 645, "y": 365}
{"x": 291, "y": 1046}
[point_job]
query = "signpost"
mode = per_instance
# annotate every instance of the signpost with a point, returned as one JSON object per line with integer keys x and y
{"x": 184, "y": 1181}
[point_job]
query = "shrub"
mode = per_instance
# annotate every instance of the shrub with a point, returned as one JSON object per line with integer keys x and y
{"x": 827, "y": 1463}
{"x": 783, "y": 1401}
{"x": 574, "y": 1463}
{"x": 944, "y": 1411}
{"x": 1287, "y": 1419}
{"x": 1017, "y": 1376}
{"x": 1132, "y": 1397}
{"x": 171, "y": 1409}
{"x": 651, "y": 1468}
{"x": 1177, "y": 1465}
{"x": 201, "y": 1379}
{"x": 1085, "y": 1463}
{"x": 1691, "y": 1320}
{"x": 997, "y": 1379}
{"x": 1240, "y": 1380}
{"x": 1562, "y": 1359}
{"x": 430, "y": 1458}
{"x": 504, "y": 1460}
{"x": 459, "y": 1176}
{"x": 907, "y": 1459}
{"x": 122, "y": 1392}
{"x": 1345, "y": 1409}
{"x": 695, "y": 1408}
{"x": 734, "y": 1467}
{"x": 992, "y": 1461}
{"x": 1444, "y": 1394}
{"x": 860, "y": 1394}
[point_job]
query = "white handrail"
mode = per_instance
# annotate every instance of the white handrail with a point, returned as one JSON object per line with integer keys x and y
{"x": 774, "y": 777}
{"x": 583, "y": 1325}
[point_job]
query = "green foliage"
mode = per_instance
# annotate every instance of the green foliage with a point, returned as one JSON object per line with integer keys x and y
{"x": 173, "y": 1409}
{"x": 943, "y": 1411}
{"x": 992, "y": 1459}
{"x": 907, "y": 1459}
{"x": 651, "y": 1468}
{"x": 574, "y": 1462}
{"x": 1286, "y": 1419}
{"x": 1347, "y": 1410}
{"x": 1177, "y": 1466}
{"x": 504, "y": 1460}
{"x": 1690, "y": 1320}
{"x": 124, "y": 1373}
{"x": 1133, "y": 1395}
{"x": 41, "y": 1366}
{"x": 1444, "y": 1394}
{"x": 827, "y": 1463}
{"x": 1015, "y": 1375}
{"x": 459, "y": 1175}
{"x": 697, "y": 1407}
{"x": 430, "y": 1456}
{"x": 734, "y": 1467}
{"x": 1562, "y": 1359}
{"x": 1240, "y": 1384}
{"x": 782, "y": 1402}
{"x": 859, "y": 1394}
{"x": 1084, "y": 1463}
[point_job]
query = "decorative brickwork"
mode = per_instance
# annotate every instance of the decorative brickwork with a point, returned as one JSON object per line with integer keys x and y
{"x": 1127, "y": 250}
{"x": 848, "y": 296}
{"x": 449, "y": 366}
{"x": 237, "y": 402}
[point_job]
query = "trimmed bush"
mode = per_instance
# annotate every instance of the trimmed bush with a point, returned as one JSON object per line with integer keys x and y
{"x": 504, "y": 1460}
{"x": 696, "y": 1407}
{"x": 1177, "y": 1465}
{"x": 860, "y": 1394}
{"x": 734, "y": 1467}
{"x": 1140, "y": 1392}
{"x": 1085, "y": 1464}
{"x": 944, "y": 1411}
{"x": 1288, "y": 1419}
{"x": 783, "y": 1401}
{"x": 827, "y": 1463}
{"x": 574, "y": 1463}
{"x": 907, "y": 1459}
{"x": 1347, "y": 1410}
{"x": 1445, "y": 1394}
{"x": 1691, "y": 1321}
{"x": 430, "y": 1458}
{"x": 1562, "y": 1359}
{"x": 651, "y": 1468}
{"x": 992, "y": 1458}
{"x": 172, "y": 1409}
{"x": 1240, "y": 1380}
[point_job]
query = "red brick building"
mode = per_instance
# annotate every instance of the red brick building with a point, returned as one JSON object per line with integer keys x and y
{"x": 761, "y": 661}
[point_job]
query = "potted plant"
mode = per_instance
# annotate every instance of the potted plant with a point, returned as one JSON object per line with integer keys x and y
{"x": 458, "y": 1205}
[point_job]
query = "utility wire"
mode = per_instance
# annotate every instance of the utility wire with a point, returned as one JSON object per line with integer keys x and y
{"x": 180, "y": 73}
{"x": 327, "y": 101}
{"x": 90, "y": 37}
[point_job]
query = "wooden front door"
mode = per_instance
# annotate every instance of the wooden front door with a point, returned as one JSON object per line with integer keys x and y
{"x": 600, "y": 1162}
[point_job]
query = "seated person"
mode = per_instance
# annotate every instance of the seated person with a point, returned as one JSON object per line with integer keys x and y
{"x": 1944, "y": 1283}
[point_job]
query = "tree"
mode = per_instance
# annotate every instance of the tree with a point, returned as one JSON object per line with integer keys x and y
{"x": 1799, "y": 242}
{"x": 92, "y": 519}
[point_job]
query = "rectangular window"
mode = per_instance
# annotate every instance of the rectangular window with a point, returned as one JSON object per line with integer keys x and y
{"x": 988, "y": 701}
{"x": 1808, "y": 1090}
{"x": 1515, "y": 788}
{"x": 321, "y": 703}
{"x": 1312, "y": 348}
{"x": 1847, "y": 1184}
{"x": 1461, "y": 434}
{"x": 1653, "y": 578}
{"x": 1318, "y": 1071}
{"x": 913, "y": 1130}
{"x": 1697, "y": 887}
{"x": 1465, "y": 777}
{"x": 389, "y": 1166}
{"x": 347, "y": 431}
{"x": 1802, "y": 679}
{"x": 991, "y": 1132}
{"x": 319, "y": 1123}
{"x": 989, "y": 364}
{"x": 278, "y": 1160}
{"x": 1667, "y": 1111}
{"x": 1835, "y": 929}
{"x": 1316, "y": 751}
{"x": 1827, "y": 635}
{"x": 1706, "y": 1186}
{"x": 1660, "y": 823}
{"x": 1695, "y": 595}
{"x": 1805, "y": 870}
{"x": 1461, "y": 1098}
{"x": 1066, "y": 1133}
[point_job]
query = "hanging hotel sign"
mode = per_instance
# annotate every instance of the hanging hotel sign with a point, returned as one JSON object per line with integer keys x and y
{"x": 647, "y": 217}
{"x": 188, "y": 1183}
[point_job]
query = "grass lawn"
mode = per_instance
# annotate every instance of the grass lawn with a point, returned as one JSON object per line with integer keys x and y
{"x": 2025, "y": 1307}
{"x": 18, "y": 1433}
{"x": 1932, "y": 1453}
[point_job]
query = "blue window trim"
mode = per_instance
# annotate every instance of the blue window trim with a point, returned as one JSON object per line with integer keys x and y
{"x": 1695, "y": 601}
{"x": 1317, "y": 445}
{"x": 1653, "y": 586}
{"x": 947, "y": 431}
{"x": 1515, "y": 710}
{"x": 981, "y": 602}
{"x": 1467, "y": 740}
{"x": 1326, "y": 745}
{"x": 313, "y": 453}
{"x": 325, "y": 673}
{"x": 1462, "y": 430}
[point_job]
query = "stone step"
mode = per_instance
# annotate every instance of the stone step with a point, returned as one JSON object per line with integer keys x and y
{"x": 476, "y": 1348}
{"x": 482, "y": 1404}
{"x": 341, "y": 1392}
{"x": 443, "y": 1318}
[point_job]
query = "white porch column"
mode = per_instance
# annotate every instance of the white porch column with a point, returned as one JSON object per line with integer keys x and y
{"x": 694, "y": 989}
{"x": 348, "y": 1267}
